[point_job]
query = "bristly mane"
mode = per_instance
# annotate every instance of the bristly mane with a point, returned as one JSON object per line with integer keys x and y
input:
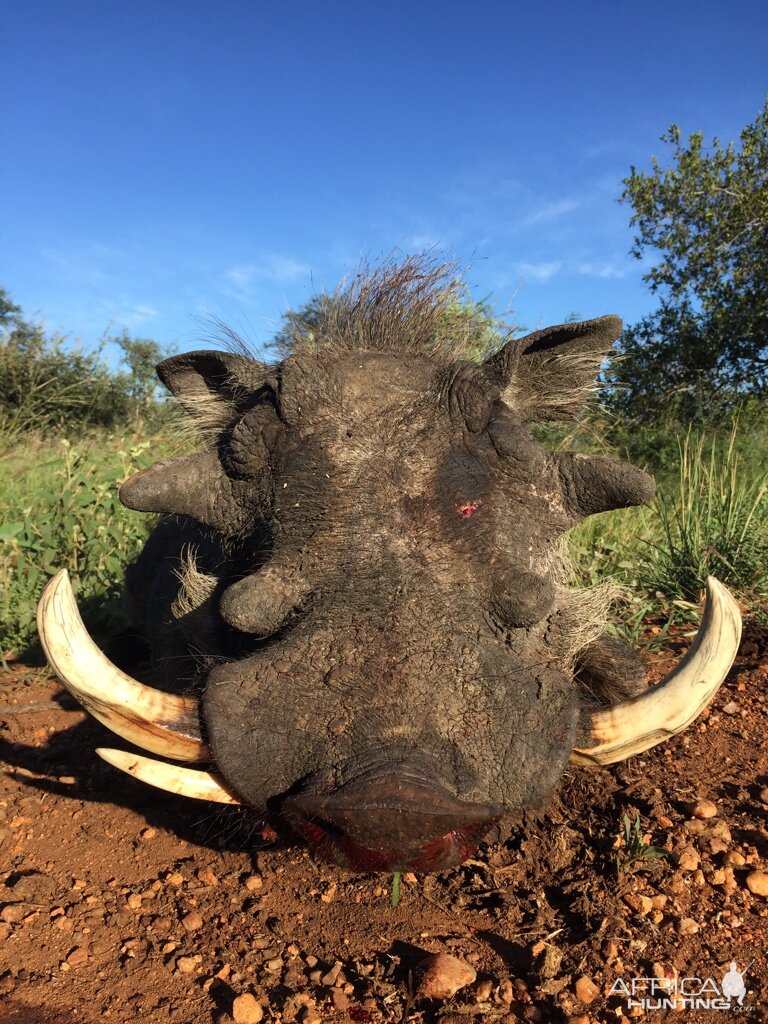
{"x": 415, "y": 304}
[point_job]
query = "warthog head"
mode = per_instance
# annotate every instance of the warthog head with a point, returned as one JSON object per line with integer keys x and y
{"x": 362, "y": 576}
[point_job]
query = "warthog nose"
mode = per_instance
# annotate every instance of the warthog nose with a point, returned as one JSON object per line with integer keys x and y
{"x": 389, "y": 821}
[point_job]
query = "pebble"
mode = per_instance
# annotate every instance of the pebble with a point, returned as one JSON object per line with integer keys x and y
{"x": 207, "y": 877}
{"x": 192, "y": 921}
{"x": 731, "y": 708}
{"x": 246, "y": 1009}
{"x": 442, "y": 975}
{"x": 688, "y": 859}
{"x": 586, "y": 990}
{"x": 329, "y": 979}
{"x": 735, "y": 858}
{"x": 757, "y": 883}
{"x": 506, "y": 992}
{"x": 641, "y": 905}
{"x": 340, "y": 1001}
{"x": 175, "y": 879}
{"x": 147, "y": 833}
{"x": 704, "y": 809}
{"x": 253, "y": 882}
{"x": 483, "y": 990}
{"x": 688, "y": 926}
{"x": 764, "y": 795}
{"x": 187, "y": 964}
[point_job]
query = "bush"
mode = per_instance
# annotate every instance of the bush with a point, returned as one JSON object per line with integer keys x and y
{"x": 59, "y": 508}
{"x": 47, "y": 386}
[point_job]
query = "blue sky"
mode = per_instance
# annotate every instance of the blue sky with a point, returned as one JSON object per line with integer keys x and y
{"x": 173, "y": 159}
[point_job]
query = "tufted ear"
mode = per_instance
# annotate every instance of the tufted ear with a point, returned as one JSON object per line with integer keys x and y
{"x": 549, "y": 375}
{"x": 209, "y": 384}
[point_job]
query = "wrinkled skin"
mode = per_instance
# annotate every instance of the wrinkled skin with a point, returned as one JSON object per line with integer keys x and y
{"x": 388, "y": 661}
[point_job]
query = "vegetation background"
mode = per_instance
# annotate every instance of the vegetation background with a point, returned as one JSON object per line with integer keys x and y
{"x": 685, "y": 397}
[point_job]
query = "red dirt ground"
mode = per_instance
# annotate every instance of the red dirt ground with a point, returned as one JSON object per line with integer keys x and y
{"x": 120, "y": 903}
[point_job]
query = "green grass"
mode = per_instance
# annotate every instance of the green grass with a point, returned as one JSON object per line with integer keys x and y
{"x": 59, "y": 509}
{"x": 710, "y": 517}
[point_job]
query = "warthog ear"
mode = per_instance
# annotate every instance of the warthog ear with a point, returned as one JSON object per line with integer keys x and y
{"x": 211, "y": 385}
{"x": 548, "y": 375}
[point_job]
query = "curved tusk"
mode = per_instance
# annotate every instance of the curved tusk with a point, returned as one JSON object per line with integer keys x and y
{"x": 170, "y": 777}
{"x": 635, "y": 725}
{"x": 163, "y": 723}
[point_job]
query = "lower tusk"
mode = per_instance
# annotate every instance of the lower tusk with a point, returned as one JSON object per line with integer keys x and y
{"x": 652, "y": 717}
{"x": 162, "y": 723}
{"x": 170, "y": 777}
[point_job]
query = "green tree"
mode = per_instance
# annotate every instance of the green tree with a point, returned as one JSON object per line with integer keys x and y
{"x": 46, "y": 384}
{"x": 705, "y": 218}
{"x": 140, "y": 356}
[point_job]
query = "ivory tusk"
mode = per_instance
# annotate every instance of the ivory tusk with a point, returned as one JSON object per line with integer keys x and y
{"x": 638, "y": 724}
{"x": 170, "y": 777}
{"x": 162, "y": 723}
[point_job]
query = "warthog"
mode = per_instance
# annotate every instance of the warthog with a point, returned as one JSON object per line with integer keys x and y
{"x": 362, "y": 577}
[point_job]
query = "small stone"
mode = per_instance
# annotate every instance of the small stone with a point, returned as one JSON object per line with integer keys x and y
{"x": 187, "y": 964}
{"x": 764, "y": 795}
{"x": 730, "y": 885}
{"x": 175, "y": 879}
{"x": 77, "y": 957}
{"x": 147, "y": 833}
{"x": 329, "y": 979}
{"x": 659, "y": 901}
{"x": 717, "y": 877}
{"x": 274, "y": 965}
{"x": 207, "y": 877}
{"x": 483, "y": 990}
{"x": 506, "y": 992}
{"x": 688, "y": 926}
{"x": 340, "y": 1001}
{"x": 735, "y": 858}
{"x": 688, "y": 859}
{"x": 12, "y": 912}
{"x": 586, "y": 990}
{"x": 442, "y": 975}
{"x": 134, "y": 901}
{"x": 330, "y": 892}
{"x": 192, "y": 921}
{"x": 581, "y": 1019}
{"x": 246, "y": 1009}
{"x": 757, "y": 883}
{"x": 642, "y": 905}
{"x": 253, "y": 882}
{"x": 731, "y": 708}
{"x": 704, "y": 809}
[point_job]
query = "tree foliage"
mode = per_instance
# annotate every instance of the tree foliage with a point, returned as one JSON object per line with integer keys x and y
{"x": 46, "y": 385}
{"x": 705, "y": 217}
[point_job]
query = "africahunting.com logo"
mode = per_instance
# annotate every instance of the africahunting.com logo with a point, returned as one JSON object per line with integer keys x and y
{"x": 689, "y": 993}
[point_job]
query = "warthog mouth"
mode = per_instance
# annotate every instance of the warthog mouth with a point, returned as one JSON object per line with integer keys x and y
{"x": 169, "y": 726}
{"x": 390, "y": 818}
